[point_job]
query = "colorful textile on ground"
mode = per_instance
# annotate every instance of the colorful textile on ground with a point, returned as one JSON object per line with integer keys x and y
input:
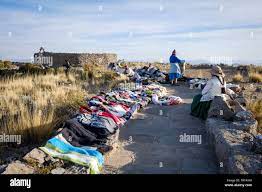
{"x": 167, "y": 100}
{"x": 141, "y": 74}
{"x": 82, "y": 156}
{"x": 76, "y": 158}
{"x": 85, "y": 135}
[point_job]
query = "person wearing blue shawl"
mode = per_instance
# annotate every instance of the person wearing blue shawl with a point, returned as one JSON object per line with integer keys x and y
{"x": 175, "y": 71}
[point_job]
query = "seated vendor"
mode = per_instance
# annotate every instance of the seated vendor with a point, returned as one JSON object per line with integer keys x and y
{"x": 175, "y": 71}
{"x": 216, "y": 86}
{"x": 128, "y": 71}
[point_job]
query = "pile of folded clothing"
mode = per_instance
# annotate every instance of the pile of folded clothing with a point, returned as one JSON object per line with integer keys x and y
{"x": 86, "y": 137}
{"x": 234, "y": 87}
{"x": 143, "y": 74}
{"x": 197, "y": 83}
{"x": 152, "y": 73}
{"x": 167, "y": 100}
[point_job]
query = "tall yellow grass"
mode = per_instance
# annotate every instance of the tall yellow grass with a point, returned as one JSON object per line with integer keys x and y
{"x": 255, "y": 77}
{"x": 238, "y": 78}
{"x": 256, "y": 108}
{"x": 34, "y": 105}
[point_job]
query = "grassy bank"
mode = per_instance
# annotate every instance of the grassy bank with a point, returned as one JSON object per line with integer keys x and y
{"x": 35, "y": 105}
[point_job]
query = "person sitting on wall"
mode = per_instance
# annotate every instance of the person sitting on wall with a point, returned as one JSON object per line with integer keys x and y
{"x": 216, "y": 86}
{"x": 175, "y": 71}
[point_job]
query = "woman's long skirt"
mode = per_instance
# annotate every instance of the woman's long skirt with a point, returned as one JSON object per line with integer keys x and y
{"x": 200, "y": 109}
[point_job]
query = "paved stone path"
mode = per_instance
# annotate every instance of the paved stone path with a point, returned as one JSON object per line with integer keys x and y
{"x": 151, "y": 145}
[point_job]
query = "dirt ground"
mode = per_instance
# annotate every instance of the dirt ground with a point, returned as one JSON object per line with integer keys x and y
{"x": 150, "y": 143}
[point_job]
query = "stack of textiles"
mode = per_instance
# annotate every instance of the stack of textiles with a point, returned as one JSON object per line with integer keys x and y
{"x": 167, "y": 100}
{"x": 152, "y": 73}
{"x": 84, "y": 139}
{"x": 144, "y": 73}
{"x": 197, "y": 83}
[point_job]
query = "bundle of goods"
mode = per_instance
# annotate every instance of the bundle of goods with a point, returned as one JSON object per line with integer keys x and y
{"x": 167, "y": 100}
{"x": 152, "y": 73}
{"x": 197, "y": 83}
{"x": 84, "y": 139}
{"x": 144, "y": 74}
{"x": 151, "y": 89}
{"x": 233, "y": 87}
{"x": 121, "y": 68}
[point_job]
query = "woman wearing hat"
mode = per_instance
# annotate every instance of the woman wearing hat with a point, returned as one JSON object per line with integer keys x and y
{"x": 175, "y": 71}
{"x": 214, "y": 87}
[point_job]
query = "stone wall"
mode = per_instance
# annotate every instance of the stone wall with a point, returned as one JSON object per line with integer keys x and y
{"x": 75, "y": 59}
{"x": 232, "y": 131}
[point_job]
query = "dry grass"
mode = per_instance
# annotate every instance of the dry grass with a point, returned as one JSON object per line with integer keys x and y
{"x": 256, "y": 108}
{"x": 254, "y": 69}
{"x": 198, "y": 73}
{"x": 34, "y": 105}
{"x": 99, "y": 78}
{"x": 238, "y": 78}
{"x": 255, "y": 77}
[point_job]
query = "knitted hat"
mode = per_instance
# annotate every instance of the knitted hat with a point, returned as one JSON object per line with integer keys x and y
{"x": 216, "y": 70}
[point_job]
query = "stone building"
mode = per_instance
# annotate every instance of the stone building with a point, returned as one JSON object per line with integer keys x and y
{"x": 51, "y": 59}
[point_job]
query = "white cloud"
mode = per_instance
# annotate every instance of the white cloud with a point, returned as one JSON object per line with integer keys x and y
{"x": 40, "y": 8}
{"x": 137, "y": 30}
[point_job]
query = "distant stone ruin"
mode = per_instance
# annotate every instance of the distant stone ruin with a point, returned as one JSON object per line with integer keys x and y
{"x": 51, "y": 59}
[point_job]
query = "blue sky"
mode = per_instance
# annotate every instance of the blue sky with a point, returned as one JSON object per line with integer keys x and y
{"x": 137, "y": 30}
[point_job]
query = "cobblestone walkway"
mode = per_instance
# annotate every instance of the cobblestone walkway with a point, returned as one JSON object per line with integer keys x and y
{"x": 151, "y": 141}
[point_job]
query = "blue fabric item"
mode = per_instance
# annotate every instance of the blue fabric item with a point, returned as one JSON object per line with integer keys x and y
{"x": 173, "y": 76}
{"x": 69, "y": 148}
{"x": 174, "y": 59}
{"x": 132, "y": 110}
{"x": 174, "y": 67}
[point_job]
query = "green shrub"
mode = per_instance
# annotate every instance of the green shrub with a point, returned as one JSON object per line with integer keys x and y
{"x": 84, "y": 75}
{"x": 109, "y": 75}
{"x": 50, "y": 70}
{"x": 2, "y": 66}
{"x": 5, "y": 64}
{"x": 59, "y": 70}
{"x": 31, "y": 69}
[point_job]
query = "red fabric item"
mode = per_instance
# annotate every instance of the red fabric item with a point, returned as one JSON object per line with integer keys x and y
{"x": 122, "y": 105}
{"x": 106, "y": 113}
{"x": 84, "y": 109}
{"x": 100, "y": 98}
{"x": 110, "y": 115}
